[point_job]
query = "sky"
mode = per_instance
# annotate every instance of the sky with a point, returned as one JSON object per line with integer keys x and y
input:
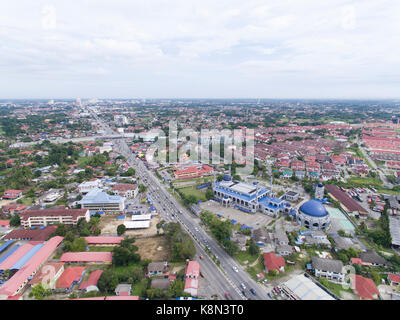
{"x": 200, "y": 49}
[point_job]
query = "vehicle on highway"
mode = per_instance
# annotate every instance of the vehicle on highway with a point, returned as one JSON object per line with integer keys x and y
{"x": 244, "y": 293}
{"x": 228, "y": 296}
{"x": 201, "y": 257}
{"x": 243, "y": 286}
{"x": 253, "y": 291}
{"x": 235, "y": 269}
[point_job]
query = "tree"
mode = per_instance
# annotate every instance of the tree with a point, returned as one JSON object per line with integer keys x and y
{"x": 69, "y": 236}
{"x": 108, "y": 281}
{"x": 121, "y": 229}
{"x": 39, "y": 292}
{"x": 15, "y": 220}
{"x": 209, "y": 194}
{"x": 142, "y": 188}
{"x": 78, "y": 245}
{"x": 254, "y": 249}
{"x": 230, "y": 247}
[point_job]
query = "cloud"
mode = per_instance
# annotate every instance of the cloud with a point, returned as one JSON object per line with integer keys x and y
{"x": 226, "y": 48}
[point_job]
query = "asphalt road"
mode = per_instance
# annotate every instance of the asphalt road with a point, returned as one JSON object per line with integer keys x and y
{"x": 224, "y": 278}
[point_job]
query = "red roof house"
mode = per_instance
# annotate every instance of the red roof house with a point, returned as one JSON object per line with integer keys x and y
{"x": 273, "y": 262}
{"x": 365, "y": 288}
{"x": 70, "y": 277}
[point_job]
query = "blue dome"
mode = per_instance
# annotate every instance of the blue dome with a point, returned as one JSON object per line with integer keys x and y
{"x": 227, "y": 177}
{"x": 313, "y": 208}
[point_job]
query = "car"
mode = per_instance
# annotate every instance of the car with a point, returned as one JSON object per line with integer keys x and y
{"x": 269, "y": 295}
{"x": 235, "y": 269}
{"x": 201, "y": 257}
{"x": 253, "y": 291}
{"x": 244, "y": 293}
{"x": 243, "y": 286}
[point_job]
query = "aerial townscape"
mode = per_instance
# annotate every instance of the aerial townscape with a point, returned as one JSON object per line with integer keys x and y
{"x": 190, "y": 158}
{"x": 89, "y": 212}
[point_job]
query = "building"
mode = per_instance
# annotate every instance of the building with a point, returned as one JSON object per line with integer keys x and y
{"x": 137, "y": 224}
{"x": 98, "y": 200}
{"x": 88, "y": 186}
{"x": 103, "y": 241}
{"x": 12, "y": 194}
{"x": 347, "y": 203}
{"x": 281, "y": 238}
{"x": 371, "y": 258}
{"x": 160, "y": 283}
{"x": 291, "y": 196}
{"x": 394, "y": 279}
{"x": 284, "y": 250}
{"x": 70, "y": 277}
{"x": 313, "y": 215}
{"x": 192, "y": 274}
{"x": 249, "y": 198}
{"x": 262, "y": 237}
{"x": 31, "y": 235}
{"x": 157, "y": 268}
{"x": 91, "y": 283}
{"x": 300, "y": 287}
{"x": 328, "y": 268}
{"x": 123, "y": 289}
{"x": 87, "y": 257}
{"x": 193, "y": 172}
{"x": 319, "y": 191}
{"x": 365, "y": 288}
{"x": 36, "y": 218}
{"x": 48, "y": 275}
{"x": 18, "y": 281}
{"x": 273, "y": 262}
{"x": 125, "y": 190}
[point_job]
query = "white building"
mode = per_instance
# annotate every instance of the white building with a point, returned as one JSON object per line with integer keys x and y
{"x": 88, "y": 186}
{"x": 98, "y": 200}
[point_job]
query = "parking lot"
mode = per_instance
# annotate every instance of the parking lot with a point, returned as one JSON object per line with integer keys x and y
{"x": 252, "y": 220}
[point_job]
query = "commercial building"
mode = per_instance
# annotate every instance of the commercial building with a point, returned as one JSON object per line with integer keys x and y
{"x": 347, "y": 203}
{"x": 192, "y": 278}
{"x": 36, "y": 218}
{"x": 98, "y": 200}
{"x": 193, "y": 172}
{"x": 302, "y": 288}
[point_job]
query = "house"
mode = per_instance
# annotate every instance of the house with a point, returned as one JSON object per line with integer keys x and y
{"x": 284, "y": 250}
{"x": 273, "y": 262}
{"x": 13, "y": 208}
{"x": 262, "y": 237}
{"x": 126, "y": 190}
{"x": 161, "y": 283}
{"x": 91, "y": 283}
{"x": 157, "y": 268}
{"x": 123, "y": 289}
{"x": 365, "y": 288}
{"x": 281, "y": 238}
{"x": 291, "y": 196}
{"x": 394, "y": 279}
{"x": 12, "y": 194}
{"x": 371, "y": 258}
{"x": 328, "y": 268}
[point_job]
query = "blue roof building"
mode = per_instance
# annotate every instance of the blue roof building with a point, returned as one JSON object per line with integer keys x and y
{"x": 249, "y": 198}
{"x": 99, "y": 200}
{"x": 313, "y": 215}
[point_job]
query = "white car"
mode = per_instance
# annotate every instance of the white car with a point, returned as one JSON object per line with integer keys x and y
{"x": 235, "y": 269}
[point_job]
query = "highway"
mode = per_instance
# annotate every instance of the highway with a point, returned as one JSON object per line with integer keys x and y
{"x": 230, "y": 276}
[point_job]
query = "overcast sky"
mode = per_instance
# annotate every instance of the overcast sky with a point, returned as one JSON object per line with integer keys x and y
{"x": 200, "y": 49}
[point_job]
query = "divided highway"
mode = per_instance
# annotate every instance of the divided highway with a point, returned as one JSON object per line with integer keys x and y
{"x": 230, "y": 276}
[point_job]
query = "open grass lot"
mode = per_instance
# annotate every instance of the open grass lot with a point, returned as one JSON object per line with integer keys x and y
{"x": 365, "y": 181}
{"x": 243, "y": 256}
{"x": 154, "y": 248}
{"x": 138, "y": 288}
{"x": 337, "y": 289}
{"x": 101, "y": 249}
{"x": 200, "y": 195}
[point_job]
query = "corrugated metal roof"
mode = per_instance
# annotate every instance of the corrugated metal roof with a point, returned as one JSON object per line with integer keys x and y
{"x": 16, "y": 256}
{"x": 21, "y": 262}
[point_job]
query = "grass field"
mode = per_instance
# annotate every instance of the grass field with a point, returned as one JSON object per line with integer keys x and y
{"x": 100, "y": 249}
{"x": 200, "y": 195}
{"x": 365, "y": 181}
{"x": 243, "y": 256}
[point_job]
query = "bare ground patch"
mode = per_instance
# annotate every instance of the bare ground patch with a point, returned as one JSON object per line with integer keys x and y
{"x": 154, "y": 248}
